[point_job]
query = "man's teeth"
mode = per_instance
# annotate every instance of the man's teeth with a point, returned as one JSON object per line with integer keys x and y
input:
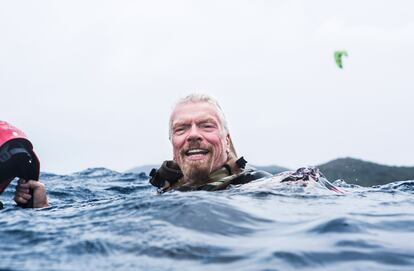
{"x": 196, "y": 151}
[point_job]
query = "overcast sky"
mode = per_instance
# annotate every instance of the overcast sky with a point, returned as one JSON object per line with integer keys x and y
{"x": 92, "y": 83}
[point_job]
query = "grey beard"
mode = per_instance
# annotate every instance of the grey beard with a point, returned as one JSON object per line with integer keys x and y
{"x": 195, "y": 174}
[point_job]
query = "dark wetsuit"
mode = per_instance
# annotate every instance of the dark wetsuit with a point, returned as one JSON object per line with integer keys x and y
{"x": 168, "y": 177}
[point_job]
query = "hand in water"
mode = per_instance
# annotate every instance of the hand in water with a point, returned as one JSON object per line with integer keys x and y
{"x": 22, "y": 195}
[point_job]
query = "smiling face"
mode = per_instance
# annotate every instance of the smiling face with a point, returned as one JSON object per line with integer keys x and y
{"x": 200, "y": 142}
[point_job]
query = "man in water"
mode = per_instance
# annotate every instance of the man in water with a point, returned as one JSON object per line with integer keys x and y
{"x": 204, "y": 157}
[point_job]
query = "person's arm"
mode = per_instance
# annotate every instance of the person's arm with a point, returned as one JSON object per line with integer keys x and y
{"x": 22, "y": 195}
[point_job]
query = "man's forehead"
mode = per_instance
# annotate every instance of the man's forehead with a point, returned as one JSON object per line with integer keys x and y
{"x": 194, "y": 110}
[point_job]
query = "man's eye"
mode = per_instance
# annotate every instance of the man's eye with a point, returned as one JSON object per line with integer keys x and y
{"x": 207, "y": 126}
{"x": 179, "y": 130}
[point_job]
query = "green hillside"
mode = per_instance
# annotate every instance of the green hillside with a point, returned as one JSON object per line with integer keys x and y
{"x": 365, "y": 173}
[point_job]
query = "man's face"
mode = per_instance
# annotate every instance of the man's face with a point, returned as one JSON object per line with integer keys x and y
{"x": 200, "y": 143}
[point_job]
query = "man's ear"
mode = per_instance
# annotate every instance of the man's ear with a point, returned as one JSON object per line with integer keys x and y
{"x": 228, "y": 142}
{"x": 230, "y": 146}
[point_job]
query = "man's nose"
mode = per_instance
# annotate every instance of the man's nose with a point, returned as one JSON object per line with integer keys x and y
{"x": 194, "y": 134}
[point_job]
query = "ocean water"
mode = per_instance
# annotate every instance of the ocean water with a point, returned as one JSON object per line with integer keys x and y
{"x": 105, "y": 220}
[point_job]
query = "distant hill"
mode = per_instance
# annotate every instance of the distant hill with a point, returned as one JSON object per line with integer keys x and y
{"x": 272, "y": 169}
{"x": 145, "y": 168}
{"x": 365, "y": 173}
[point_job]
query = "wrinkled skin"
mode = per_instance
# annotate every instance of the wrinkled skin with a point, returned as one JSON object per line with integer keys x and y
{"x": 200, "y": 142}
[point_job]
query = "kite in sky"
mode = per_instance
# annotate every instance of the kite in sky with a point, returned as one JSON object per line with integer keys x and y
{"x": 338, "y": 57}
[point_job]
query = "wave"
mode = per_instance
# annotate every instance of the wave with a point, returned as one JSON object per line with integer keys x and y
{"x": 107, "y": 220}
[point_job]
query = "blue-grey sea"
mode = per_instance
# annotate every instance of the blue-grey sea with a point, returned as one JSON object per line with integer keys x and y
{"x": 104, "y": 220}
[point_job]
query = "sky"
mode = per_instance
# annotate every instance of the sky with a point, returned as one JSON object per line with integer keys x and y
{"x": 92, "y": 83}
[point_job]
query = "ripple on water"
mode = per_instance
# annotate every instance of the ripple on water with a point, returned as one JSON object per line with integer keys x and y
{"x": 340, "y": 225}
{"x": 209, "y": 215}
{"x": 321, "y": 259}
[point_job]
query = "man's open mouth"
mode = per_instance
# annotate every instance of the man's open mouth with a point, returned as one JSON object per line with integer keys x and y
{"x": 194, "y": 152}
